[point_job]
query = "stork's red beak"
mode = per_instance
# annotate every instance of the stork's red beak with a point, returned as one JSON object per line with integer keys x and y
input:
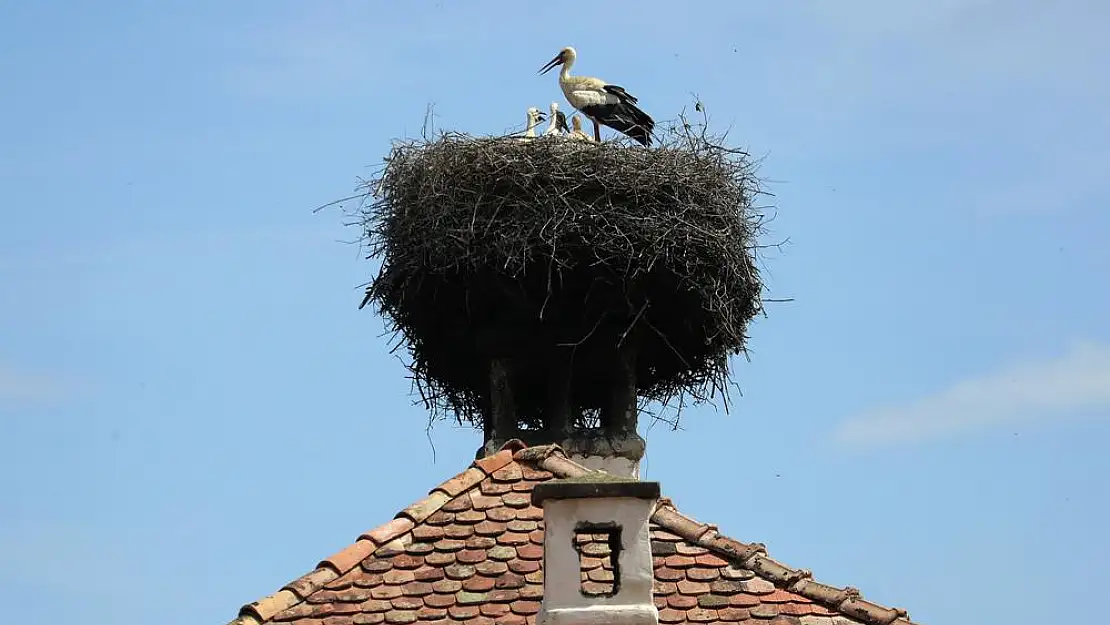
{"x": 553, "y": 63}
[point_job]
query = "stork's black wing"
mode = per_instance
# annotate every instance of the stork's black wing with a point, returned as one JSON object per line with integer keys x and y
{"x": 621, "y": 94}
{"x": 561, "y": 122}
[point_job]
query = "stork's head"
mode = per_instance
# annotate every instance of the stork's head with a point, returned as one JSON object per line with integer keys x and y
{"x": 535, "y": 115}
{"x": 576, "y": 122}
{"x": 566, "y": 57}
{"x": 554, "y": 108}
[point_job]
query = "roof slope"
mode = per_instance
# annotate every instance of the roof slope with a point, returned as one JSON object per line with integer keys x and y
{"x": 472, "y": 551}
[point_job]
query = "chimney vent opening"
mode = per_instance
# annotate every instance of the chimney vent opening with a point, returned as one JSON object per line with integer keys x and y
{"x": 598, "y": 546}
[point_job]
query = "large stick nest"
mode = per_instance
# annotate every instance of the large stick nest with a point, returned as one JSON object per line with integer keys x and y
{"x": 495, "y": 246}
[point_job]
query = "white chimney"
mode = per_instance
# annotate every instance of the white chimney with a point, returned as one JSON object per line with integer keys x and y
{"x": 597, "y": 565}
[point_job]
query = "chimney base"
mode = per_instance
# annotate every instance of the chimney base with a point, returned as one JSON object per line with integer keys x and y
{"x": 600, "y": 615}
{"x": 616, "y": 454}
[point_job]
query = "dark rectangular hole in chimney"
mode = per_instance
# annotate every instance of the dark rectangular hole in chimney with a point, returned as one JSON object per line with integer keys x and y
{"x": 598, "y": 546}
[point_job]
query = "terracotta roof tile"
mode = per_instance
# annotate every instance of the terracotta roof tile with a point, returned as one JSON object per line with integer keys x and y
{"x": 479, "y": 501}
{"x": 462, "y": 482}
{"x": 669, "y": 615}
{"x": 530, "y": 514}
{"x": 306, "y": 584}
{"x": 733, "y": 615}
{"x": 264, "y": 609}
{"x": 440, "y": 600}
{"x": 508, "y": 473}
{"x": 472, "y": 551}
{"x": 713, "y": 602}
{"x": 496, "y": 488}
{"x": 440, "y": 518}
{"x": 743, "y": 600}
{"x": 489, "y": 464}
{"x": 428, "y": 574}
{"x": 420, "y": 549}
{"x": 491, "y": 568}
{"x": 383, "y": 593}
{"x": 424, "y": 508}
{"x": 711, "y": 560}
{"x": 523, "y": 567}
{"x": 503, "y": 514}
{"x": 764, "y": 610}
{"x": 667, "y": 574}
{"x": 688, "y": 587}
{"x": 494, "y": 610}
{"x": 385, "y": 533}
{"x": 458, "y": 504}
{"x": 682, "y": 602}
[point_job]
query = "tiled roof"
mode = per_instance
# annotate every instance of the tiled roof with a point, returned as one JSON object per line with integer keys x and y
{"x": 472, "y": 552}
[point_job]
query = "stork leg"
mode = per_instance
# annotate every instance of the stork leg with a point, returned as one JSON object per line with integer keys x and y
{"x": 597, "y": 131}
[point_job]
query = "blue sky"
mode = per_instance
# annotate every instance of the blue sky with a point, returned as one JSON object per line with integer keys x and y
{"x": 195, "y": 412}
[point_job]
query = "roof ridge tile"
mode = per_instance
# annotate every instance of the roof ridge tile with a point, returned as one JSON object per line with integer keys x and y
{"x": 268, "y": 606}
{"x": 309, "y": 583}
{"x": 537, "y": 453}
{"x": 348, "y": 558}
{"x": 677, "y": 523}
{"x": 386, "y": 532}
{"x": 514, "y": 445}
{"x": 561, "y": 466}
{"x": 489, "y": 464}
{"x": 426, "y": 507}
{"x": 462, "y": 482}
{"x": 753, "y": 557}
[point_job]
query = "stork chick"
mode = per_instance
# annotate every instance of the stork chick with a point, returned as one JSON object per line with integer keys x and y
{"x": 558, "y": 121}
{"x": 535, "y": 116}
{"x": 563, "y": 129}
{"x": 603, "y": 103}
{"x": 577, "y": 133}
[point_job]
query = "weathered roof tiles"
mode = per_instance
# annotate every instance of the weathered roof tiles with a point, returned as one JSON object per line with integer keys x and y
{"x": 472, "y": 551}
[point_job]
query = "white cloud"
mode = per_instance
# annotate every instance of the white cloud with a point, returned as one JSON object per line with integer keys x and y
{"x": 1046, "y": 390}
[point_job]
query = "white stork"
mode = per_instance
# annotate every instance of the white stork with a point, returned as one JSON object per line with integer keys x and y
{"x": 602, "y": 102}
{"x": 577, "y": 133}
{"x": 558, "y": 122}
{"x": 535, "y": 116}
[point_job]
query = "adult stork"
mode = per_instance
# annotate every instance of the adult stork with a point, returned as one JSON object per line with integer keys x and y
{"x": 602, "y": 102}
{"x": 558, "y": 122}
